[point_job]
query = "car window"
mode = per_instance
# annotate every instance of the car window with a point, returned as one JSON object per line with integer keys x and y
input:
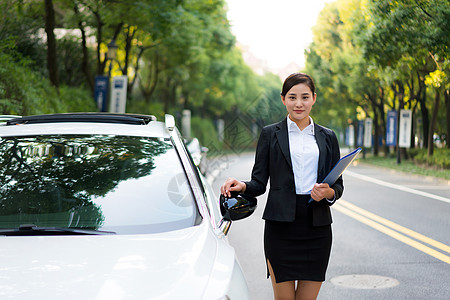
{"x": 213, "y": 201}
{"x": 104, "y": 182}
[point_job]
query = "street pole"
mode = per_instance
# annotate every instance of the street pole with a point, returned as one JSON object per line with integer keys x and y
{"x": 111, "y": 55}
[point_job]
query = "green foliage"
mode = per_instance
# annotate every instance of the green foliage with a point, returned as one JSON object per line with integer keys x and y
{"x": 25, "y": 92}
{"x": 406, "y": 27}
{"x": 268, "y": 107}
{"x": 335, "y": 66}
{"x": 21, "y": 22}
{"x": 371, "y": 56}
{"x": 142, "y": 107}
{"x": 206, "y": 133}
{"x": 76, "y": 100}
{"x": 367, "y": 57}
{"x": 440, "y": 158}
{"x": 69, "y": 62}
{"x": 22, "y": 91}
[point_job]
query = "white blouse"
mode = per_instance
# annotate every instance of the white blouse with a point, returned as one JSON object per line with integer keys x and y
{"x": 304, "y": 156}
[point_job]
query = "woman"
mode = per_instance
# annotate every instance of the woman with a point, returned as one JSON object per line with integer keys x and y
{"x": 296, "y": 154}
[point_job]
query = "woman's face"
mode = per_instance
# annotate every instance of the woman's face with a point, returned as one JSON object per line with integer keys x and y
{"x": 299, "y": 101}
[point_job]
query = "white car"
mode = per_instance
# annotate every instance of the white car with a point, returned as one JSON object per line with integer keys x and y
{"x": 108, "y": 206}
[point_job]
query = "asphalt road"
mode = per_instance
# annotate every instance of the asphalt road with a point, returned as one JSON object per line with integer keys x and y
{"x": 391, "y": 236}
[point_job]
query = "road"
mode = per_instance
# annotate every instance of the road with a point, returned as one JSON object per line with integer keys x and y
{"x": 391, "y": 236}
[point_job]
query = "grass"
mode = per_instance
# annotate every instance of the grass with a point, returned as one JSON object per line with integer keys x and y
{"x": 406, "y": 166}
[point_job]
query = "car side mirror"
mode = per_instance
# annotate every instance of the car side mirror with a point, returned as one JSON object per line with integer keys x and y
{"x": 237, "y": 207}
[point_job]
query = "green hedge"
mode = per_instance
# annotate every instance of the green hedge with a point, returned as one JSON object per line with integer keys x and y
{"x": 26, "y": 92}
{"x": 206, "y": 133}
{"x": 439, "y": 159}
{"x": 407, "y": 166}
{"x": 77, "y": 100}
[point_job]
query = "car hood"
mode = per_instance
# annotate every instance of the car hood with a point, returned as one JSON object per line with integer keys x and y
{"x": 192, "y": 263}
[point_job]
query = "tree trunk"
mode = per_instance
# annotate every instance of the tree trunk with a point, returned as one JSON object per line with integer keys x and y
{"x": 52, "y": 62}
{"x": 85, "y": 62}
{"x": 167, "y": 95}
{"x": 382, "y": 118}
{"x": 377, "y": 137}
{"x": 128, "y": 39}
{"x": 414, "y": 124}
{"x": 447, "y": 106}
{"x": 100, "y": 64}
{"x": 425, "y": 115}
{"x": 437, "y": 99}
{"x": 148, "y": 90}
{"x": 376, "y": 131}
{"x": 186, "y": 100}
{"x": 401, "y": 152}
{"x": 138, "y": 59}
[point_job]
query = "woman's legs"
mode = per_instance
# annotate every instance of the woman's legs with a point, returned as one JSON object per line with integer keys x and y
{"x": 283, "y": 290}
{"x": 306, "y": 290}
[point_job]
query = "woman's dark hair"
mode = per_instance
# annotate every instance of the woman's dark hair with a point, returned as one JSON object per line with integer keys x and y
{"x": 297, "y": 78}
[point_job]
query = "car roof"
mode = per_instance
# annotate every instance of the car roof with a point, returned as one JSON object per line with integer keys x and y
{"x": 134, "y": 119}
{"x": 86, "y": 123}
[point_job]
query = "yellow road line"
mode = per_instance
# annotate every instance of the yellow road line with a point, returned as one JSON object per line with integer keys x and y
{"x": 392, "y": 233}
{"x": 395, "y": 226}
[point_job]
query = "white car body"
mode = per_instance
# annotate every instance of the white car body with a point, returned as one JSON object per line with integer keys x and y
{"x": 191, "y": 263}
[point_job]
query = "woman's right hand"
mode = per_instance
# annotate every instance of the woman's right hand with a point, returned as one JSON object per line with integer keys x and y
{"x": 232, "y": 185}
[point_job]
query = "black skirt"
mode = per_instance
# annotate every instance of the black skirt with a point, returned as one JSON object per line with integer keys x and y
{"x": 297, "y": 250}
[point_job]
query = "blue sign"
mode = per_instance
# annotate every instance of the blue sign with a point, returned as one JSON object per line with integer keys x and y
{"x": 391, "y": 128}
{"x": 360, "y": 137}
{"x": 101, "y": 92}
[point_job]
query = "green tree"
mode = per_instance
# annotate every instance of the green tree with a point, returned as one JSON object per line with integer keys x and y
{"x": 369, "y": 56}
{"x": 418, "y": 29}
{"x": 177, "y": 54}
{"x": 330, "y": 60}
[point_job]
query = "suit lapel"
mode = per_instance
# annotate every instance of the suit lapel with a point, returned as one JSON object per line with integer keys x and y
{"x": 283, "y": 140}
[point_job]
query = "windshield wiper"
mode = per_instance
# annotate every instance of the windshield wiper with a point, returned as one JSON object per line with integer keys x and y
{"x": 31, "y": 229}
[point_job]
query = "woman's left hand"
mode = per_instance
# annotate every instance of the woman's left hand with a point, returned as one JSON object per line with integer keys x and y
{"x": 320, "y": 191}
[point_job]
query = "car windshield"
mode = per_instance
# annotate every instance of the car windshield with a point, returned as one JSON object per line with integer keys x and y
{"x": 123, "y": 184}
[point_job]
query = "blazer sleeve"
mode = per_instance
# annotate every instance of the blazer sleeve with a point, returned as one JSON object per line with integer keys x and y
{"x": 260, "y": 173}
{"x": 338, "y": 186}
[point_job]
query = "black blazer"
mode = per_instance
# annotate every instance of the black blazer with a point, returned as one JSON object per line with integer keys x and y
{"x": 273, "y": 160}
